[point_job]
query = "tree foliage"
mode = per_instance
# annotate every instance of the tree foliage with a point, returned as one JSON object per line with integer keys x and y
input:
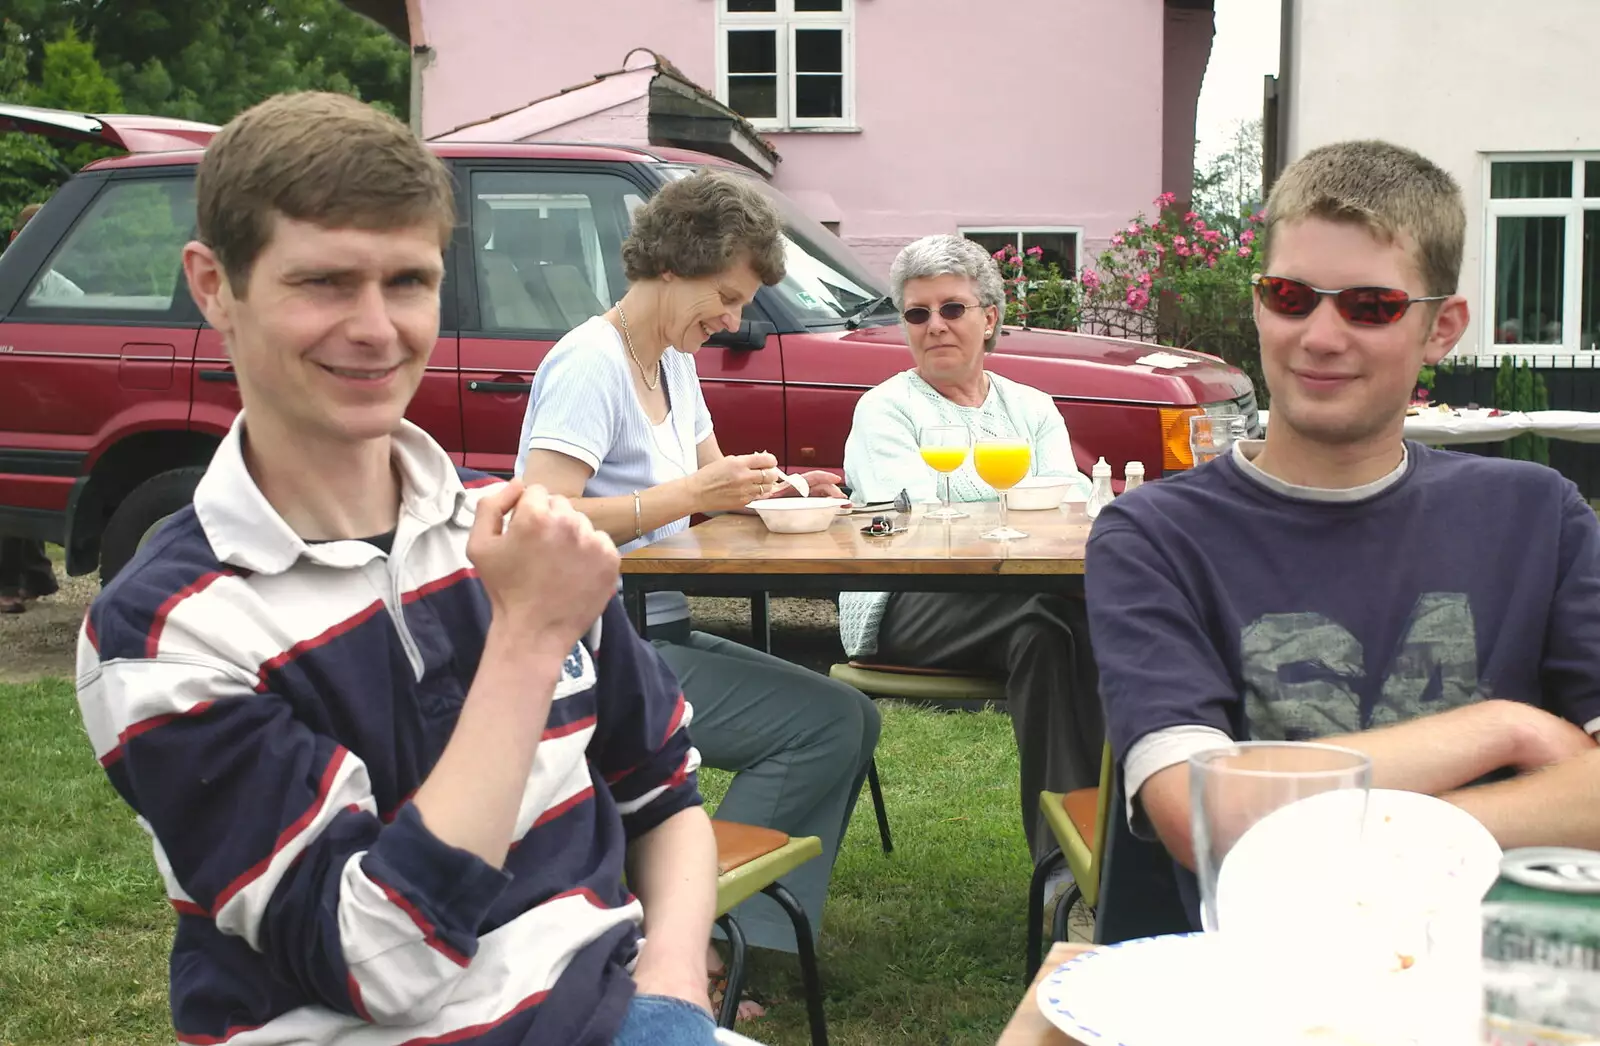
{"x": 193, "y": 59}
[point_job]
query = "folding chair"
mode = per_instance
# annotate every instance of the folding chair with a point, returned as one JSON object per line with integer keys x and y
{"x": 1079, "y": 821}
{"x": 751, "y": 860}
{"x": 915, "y": 684}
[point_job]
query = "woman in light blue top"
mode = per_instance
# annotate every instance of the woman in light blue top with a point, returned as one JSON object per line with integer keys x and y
{"x": 950, "y": 298}
{"x": 616, "y": 422}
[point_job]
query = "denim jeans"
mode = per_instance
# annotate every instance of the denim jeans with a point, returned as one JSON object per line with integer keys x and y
{"x": 661, "y": 1020}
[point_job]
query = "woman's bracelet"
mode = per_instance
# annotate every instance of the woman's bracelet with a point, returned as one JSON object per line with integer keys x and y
{"x": 638, "y": 516}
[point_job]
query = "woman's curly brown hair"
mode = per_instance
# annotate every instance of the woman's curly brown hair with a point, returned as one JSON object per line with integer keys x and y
{"x": 702, "y": 225}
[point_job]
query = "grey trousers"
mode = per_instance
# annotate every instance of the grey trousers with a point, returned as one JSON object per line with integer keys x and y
{"x": 1040, "y": 644}
{"x": 798, "y": 743}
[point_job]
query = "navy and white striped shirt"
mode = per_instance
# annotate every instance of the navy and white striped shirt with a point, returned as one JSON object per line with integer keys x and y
{"x": 268, "y": 707}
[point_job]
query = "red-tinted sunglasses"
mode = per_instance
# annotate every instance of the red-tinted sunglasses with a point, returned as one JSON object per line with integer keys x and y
{"x": 1367, "y": 306}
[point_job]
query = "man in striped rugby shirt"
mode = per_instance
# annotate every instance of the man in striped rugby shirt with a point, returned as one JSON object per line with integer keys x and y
{"x": 387, "y": 726}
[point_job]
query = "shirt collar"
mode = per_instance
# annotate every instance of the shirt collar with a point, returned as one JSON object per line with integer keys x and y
{"x": 244, "y": 530}
{"x": 1245, "y": 452}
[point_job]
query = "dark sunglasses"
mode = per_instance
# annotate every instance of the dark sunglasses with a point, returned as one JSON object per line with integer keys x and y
{"x": 950, "y": 310}
{"x": 1366, "y": 306}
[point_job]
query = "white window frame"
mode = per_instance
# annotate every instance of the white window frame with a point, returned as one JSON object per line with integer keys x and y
{"x": 1021, "y": 232}
{"x": 1571, "y": 208}
{"x": 783, "y": 22}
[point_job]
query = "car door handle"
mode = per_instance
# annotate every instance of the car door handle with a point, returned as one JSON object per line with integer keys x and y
{"x": 499, "y": 386}
{"x": 219, "y": 375}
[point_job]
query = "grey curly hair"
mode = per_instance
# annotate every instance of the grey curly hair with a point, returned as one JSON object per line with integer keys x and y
{"x": 950, "y": 255}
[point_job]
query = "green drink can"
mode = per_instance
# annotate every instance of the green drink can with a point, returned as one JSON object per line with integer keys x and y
{"x": 1541, "y": 949}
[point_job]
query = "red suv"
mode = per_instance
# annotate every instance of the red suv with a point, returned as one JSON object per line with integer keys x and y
{"x": 114, "y": 392}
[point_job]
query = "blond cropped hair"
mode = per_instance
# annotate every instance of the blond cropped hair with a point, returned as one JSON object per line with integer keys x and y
{"x": 1391, "y": 191}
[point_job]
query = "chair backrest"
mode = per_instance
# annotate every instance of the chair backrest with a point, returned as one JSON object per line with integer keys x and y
{"x": 572, "y": 293}
{"x": 1091, "y": 890}
{"x": 1139, "y": 892}
{"x": 511, "y": 307}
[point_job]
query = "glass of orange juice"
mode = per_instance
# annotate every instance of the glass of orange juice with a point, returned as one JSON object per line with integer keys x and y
{"x": 944, "y": 448}
{"x": 1002, "y": 463}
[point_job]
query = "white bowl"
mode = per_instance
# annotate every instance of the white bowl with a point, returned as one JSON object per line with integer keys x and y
{"x": 1038, "y": 492}
{"x": 798, "y": 515}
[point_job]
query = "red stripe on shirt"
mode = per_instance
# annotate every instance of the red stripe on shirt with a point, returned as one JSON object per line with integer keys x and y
{"x": 462, "y": 1034}
{"x": 349, "y": 623}
{"x": 430, "y": 934}
{"x": 89, "y": 632}
{"x": 553, "y": 732}
{"x": 152, "y": 642}
{"x": 439, "y": 585}
{"x": 188, "y": 908}
{"x": 677, "y": 721}
{"x": 289, "y": 834}
{"x": 216, "y": 1040}
{"x": 562, "y": 807}
{"x": 144, "y": 726}
{"x": 355, "y": 998}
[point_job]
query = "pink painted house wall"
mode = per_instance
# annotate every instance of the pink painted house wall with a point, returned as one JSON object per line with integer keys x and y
{"x": 1022, "y": 113}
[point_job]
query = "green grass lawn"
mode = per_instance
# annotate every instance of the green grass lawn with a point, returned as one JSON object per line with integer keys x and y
{"x": 924, "y": 946}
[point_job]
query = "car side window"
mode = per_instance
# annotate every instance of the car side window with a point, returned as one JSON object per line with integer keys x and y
{"x": 125, "y": 254}
{"x": 547, "y": 247}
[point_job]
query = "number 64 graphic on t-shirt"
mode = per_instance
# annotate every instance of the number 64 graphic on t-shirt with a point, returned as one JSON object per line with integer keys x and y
{"x": 1305, "y": 676}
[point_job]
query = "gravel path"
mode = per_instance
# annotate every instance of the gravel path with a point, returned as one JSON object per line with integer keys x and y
{"x": 43, "y": 641}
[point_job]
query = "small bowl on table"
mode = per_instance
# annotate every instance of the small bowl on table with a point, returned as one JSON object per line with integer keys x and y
{"x": 1038, "y": 493}
{"x": 798, "y": 515}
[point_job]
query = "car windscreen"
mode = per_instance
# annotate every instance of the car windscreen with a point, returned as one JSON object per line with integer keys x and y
{"x": 825, "y": 283}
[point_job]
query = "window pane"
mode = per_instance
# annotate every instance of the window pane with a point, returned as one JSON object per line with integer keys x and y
{"x": 1528, "y": 280}
{"x": 819, "y": 5}
{"x": 1591, "y": 281}
{"x": 819, "y": 97}
{"x": 819, "y": 51}
{"x": 751, "y": 6}
{"x": 992, "y": 241}
{"x": 1060, "y": 248}
{"x": 754, "y": 97}
{"x": 1591, "y": 178}
{"x": 1529, "y": 180}
{"x": 753, "y": 51}
{"x": 546, "y": 247}
{"x": 125, "y": 254}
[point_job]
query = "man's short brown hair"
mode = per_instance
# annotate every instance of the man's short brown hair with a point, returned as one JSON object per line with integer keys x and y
{"x": 702, "y": 225}
{"x": 1390, "y": 191}
{"x": 314, "y": 157}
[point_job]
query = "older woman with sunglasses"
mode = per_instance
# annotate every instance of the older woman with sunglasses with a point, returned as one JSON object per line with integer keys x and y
{"x": 950, "y": 298}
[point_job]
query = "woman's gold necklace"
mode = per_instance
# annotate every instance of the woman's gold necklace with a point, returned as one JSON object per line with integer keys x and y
{"x": 628, "y": 339}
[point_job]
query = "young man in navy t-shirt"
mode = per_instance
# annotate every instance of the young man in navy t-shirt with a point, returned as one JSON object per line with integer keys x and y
{"x": 1437, "y": 611}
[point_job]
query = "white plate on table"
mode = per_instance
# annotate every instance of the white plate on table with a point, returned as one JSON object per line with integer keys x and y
{"x": 1183, "y": 990}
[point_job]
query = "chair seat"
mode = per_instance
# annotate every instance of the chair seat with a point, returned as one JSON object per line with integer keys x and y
{"x": 1081, "y": 806}
{"x": 1071, "y": 818}
{"x": 926, "y": 684}
{"x": 749, "y": 858}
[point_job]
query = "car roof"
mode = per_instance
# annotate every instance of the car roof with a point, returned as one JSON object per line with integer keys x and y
{"x": 569, "y": 151}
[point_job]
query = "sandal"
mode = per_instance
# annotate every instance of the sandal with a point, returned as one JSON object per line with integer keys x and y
{"x": 13, "y": 605}
{"x": 751, "y": 1005}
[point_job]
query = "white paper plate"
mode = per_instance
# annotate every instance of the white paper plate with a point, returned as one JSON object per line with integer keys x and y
{"x": 1417, "y": 854}
{"x": 1195, "y": 990}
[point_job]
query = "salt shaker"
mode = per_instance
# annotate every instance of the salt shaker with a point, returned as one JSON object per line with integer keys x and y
{"x": 1101, "y": 494}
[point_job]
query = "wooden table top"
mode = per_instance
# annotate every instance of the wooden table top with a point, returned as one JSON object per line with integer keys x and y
{"x": 740, "y": 544}
{"x": 1028, "y": 1026}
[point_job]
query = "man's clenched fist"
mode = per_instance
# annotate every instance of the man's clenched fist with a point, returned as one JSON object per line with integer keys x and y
{"x": 548, "y": 573}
